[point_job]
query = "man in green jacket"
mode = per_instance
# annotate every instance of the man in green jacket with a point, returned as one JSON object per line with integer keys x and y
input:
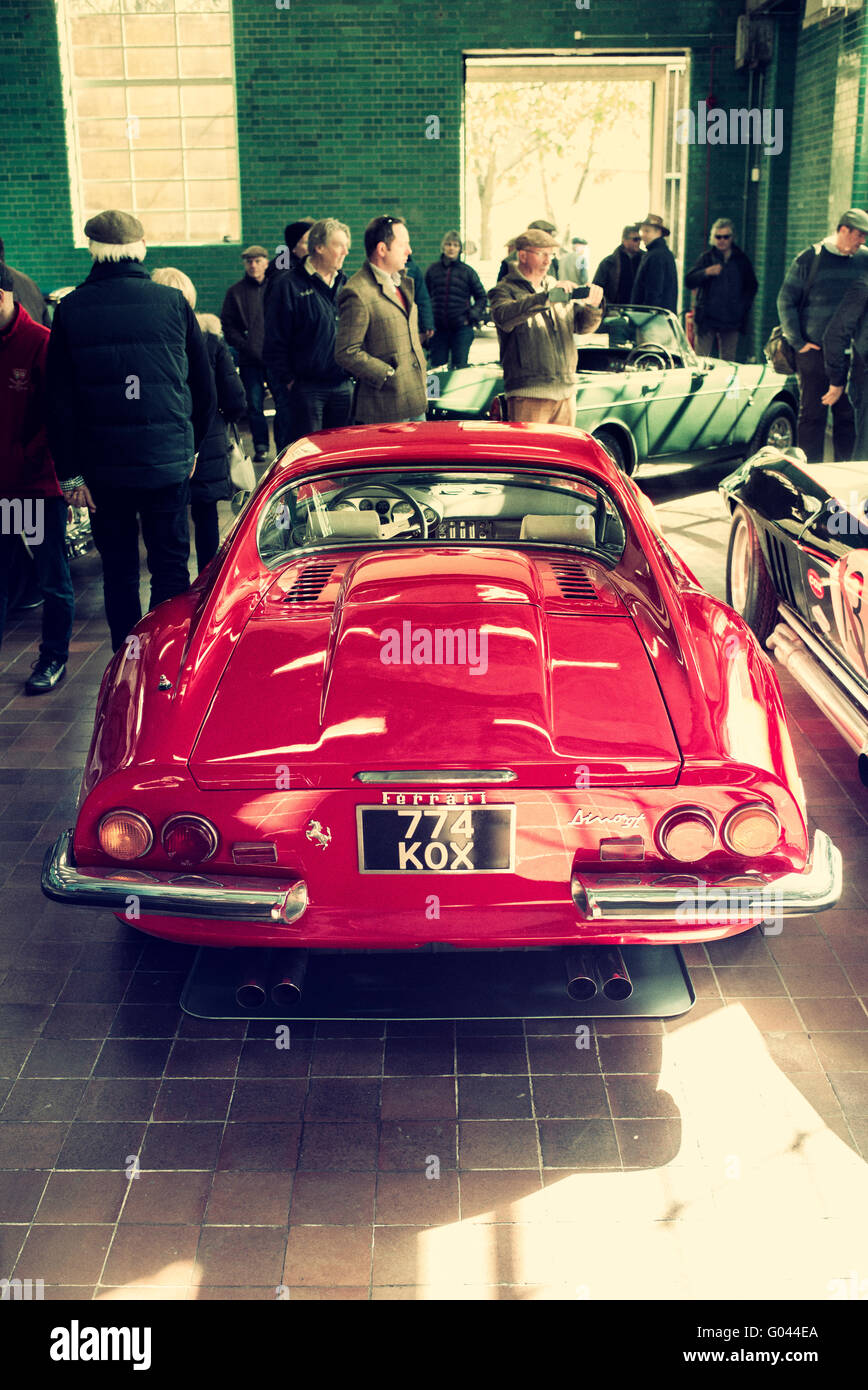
{"x": 536, "y": 318}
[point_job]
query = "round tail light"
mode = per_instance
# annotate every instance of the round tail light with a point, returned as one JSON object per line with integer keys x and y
{"x": 686, "y": 834}
{"x": 125, "y": 835}
{"x": 189, "y": 839}
{"x": 751, "y": 830}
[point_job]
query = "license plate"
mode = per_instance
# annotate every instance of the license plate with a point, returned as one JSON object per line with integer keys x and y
{"x": 436, "y": 839}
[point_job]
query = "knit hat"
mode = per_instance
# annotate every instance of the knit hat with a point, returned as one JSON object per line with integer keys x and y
{"x": 115, "y": 236}
{"x": 294, "y": 231}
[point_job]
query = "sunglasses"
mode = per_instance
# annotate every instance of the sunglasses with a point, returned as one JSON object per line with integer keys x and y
{"x": 723, "y": 236}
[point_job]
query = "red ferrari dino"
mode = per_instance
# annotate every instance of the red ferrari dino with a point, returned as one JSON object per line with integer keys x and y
{"x": 443, "y": 683}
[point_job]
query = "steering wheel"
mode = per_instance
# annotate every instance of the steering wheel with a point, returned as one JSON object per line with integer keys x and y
{"x": 354, "y": 490}
{"x": 649, "y": 357}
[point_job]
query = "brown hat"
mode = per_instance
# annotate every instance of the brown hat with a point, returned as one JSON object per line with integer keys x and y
{"x": 655, "y": 220}
{"x": 535, "y": 240}
{"x": 114, "y": 228}
{"x": 254, "y": 251}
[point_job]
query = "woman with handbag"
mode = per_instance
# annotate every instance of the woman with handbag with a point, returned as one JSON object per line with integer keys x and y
{"x": 210, "y": 482}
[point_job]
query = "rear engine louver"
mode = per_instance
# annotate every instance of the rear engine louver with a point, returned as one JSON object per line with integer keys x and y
{"x": 310, "y": 583}
{"x": 573, "y": 580}
{"x": 780, "y": 568}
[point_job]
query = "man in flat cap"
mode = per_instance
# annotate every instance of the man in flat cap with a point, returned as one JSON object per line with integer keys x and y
{"x": 129, "y": 398}
{"x": 813, "y": 288}
{"x": 536, "y": 318}
{"x": 656, "y": 282}
{"x": 243, "y": 320}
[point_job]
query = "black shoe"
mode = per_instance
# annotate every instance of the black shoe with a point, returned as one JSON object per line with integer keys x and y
{"x": 261, "y": 456}
{"x": 47, "y": 673}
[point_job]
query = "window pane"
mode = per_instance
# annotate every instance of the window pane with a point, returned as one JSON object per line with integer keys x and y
{"x": 105, "y": 164}
{"x": 141, "y": 30}
{"x": 98, "y": 62}
{"x": 207, "y": 101}
{"x": 214, "y": 130}
{"x": 89, "y": 7}
{"x": 210, "y": 164}
{"x": 103, "y": 135}
{"x": 214, "y": 226}
{"x": 154, "y": 101}
{"x": 169, "y": 228}
{"x": 100, "y": 101}
{"x": 98, "y": 196}
{"x": 147, "y": 6}
{"x": 157, "y": 164}
{"x": 205, "y": 62}
{"x": 152, "y": 62}
{"x": 160, "y": 195}
{"x": 202, "y": 6}
{"x": 211, "y": 193}
{"x": 96, "y": 29}
{"x": 159, "y": 135}
{"x": 204, "y": 29}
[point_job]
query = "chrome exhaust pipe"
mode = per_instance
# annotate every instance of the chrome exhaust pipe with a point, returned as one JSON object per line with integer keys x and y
{"x": 250, "y": 989}
{"x": 581, "y": 976}
{"x": 795, "y": 656}
{"x": 288, "y": 980}
{"x": 612, "y": 973}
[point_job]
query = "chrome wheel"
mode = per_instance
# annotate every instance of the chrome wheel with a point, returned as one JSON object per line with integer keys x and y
{"x": 739, "y": 569}
{"x": 780, "y": 432}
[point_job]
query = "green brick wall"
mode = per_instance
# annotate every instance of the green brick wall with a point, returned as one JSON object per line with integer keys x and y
{"x": 333, "y": 97}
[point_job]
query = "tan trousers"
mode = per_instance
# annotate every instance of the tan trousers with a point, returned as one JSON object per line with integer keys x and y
{"x": 542, "y": 412}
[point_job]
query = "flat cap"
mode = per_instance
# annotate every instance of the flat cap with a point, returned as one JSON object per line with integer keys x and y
{"x": 254, "y": 251}
{"x": 534, "y": 240}
{"x": 114, "y": 228}
{"x": 854, "y": 218}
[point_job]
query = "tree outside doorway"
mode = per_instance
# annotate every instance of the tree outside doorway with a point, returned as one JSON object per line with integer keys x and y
{"x": 577, "y": 153}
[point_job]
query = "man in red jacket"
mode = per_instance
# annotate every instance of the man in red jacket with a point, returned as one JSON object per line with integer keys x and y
{"x": 31, "y": 502}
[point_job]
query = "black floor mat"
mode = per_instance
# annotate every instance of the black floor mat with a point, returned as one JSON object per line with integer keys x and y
{"x": 448, "y": 985}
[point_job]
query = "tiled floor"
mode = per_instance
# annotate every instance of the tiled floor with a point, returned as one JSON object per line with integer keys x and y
{"x": 144, "y": 1154}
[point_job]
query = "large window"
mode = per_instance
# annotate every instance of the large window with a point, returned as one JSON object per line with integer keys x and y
{"x": 150, "y": 97}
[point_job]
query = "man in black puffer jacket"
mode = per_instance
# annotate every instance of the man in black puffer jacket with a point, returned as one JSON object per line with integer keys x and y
{"x": 301, "y": 317}
{"x": 459, "y": 300}
{"x": 129, "y": 399}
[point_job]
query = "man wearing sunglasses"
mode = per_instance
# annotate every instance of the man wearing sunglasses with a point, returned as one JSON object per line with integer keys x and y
{"x": 615, "y": 273}
{"x": 726, "y": 286}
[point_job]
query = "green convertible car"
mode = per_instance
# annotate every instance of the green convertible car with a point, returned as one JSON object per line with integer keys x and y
{"x": 644, "y": 394}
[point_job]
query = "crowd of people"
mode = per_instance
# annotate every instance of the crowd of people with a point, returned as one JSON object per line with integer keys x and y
{"x": 122, "y": 407}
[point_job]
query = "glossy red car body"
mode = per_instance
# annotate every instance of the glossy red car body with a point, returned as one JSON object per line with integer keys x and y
{"x": 610, "y": 711}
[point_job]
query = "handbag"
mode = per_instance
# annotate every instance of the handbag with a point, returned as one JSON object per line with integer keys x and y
{"x": 779, "y": 352}
{"x": 241, "y": 470}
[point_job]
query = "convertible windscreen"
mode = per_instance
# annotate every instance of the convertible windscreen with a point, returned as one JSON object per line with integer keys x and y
{"x": 384, "y": 507}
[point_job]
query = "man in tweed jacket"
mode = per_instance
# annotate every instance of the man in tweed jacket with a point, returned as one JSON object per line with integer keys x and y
{"x": 378, "y": 330}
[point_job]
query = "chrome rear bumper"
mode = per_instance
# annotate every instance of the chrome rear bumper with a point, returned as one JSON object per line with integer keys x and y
{"x": 228, "y": 897}
{"x": 694, "y": 901}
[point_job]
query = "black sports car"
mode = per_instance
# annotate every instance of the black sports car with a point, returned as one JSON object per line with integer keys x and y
{"x": 797, "y": 571}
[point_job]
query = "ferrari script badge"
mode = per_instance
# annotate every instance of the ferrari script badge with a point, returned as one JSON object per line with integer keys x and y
{"x": 316, "y": 832}
{"x": 621, "y": 819}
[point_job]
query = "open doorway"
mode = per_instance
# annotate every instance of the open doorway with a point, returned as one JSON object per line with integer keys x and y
{"x": 587, "y": 143}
